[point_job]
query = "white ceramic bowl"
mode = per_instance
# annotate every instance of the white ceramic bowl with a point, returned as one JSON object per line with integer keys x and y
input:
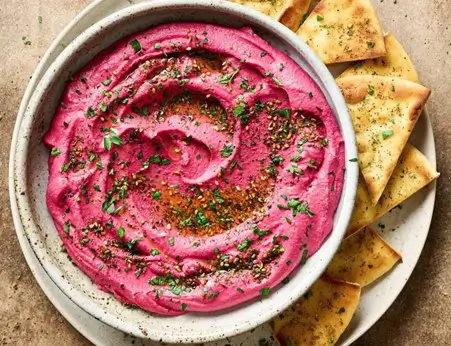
{"x": 30, "y": 172}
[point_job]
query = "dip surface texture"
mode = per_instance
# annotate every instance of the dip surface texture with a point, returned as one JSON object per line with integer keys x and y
{"x": 192, "y": 168}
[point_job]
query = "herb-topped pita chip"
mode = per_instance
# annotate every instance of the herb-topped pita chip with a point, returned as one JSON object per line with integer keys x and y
{"x": 395, "y": 63}
{"x": 412, "y": 173}
{"x": 384, "y": 111}
{"x": 288, "y": 12}
{"x": 362, "y": 258}
{"x": 343, "y": 30}
{"x": 321, "y": 316}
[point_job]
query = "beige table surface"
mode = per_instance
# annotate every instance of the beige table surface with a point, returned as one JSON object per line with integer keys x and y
{"x": 422, "y": 313}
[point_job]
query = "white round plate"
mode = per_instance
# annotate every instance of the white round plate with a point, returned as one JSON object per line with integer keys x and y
{"x": 406, "y": 229}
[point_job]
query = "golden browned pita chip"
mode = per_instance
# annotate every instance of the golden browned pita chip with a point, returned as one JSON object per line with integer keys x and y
{"x": 395, "y": 63}
{"x": 288, "y": 12}
{"x": 384, "y": 111}
{"x": 343, "y": 30}
{"x": 321, "y": 316}
{"x": 362, "y": 258}
{"x": 412, "y": 173}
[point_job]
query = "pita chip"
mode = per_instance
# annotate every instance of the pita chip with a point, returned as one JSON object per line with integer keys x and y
{"x": 411, "y": 174}
{"x": 287, "y": 12}
{"x": 343, "y": 31}
{"x": 362, "y": 258}
{"x": 384, "y": 111}
{"x": 321, "y": 316}
{"x": 395, "y": 63}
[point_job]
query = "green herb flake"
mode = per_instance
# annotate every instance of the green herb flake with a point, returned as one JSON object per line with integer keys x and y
{"x": 40, "y": 19}
{"x": 66, "y": 227}
{"x": 354, "y": 159}
{"x": 264, "y": 291}
{"x": 371, "y": 44}
{"x": 304, "y": 257}
{"x": 319, "y": 18}
{"x": 277, "y": 81}
{"x": 239, "y": 289}
{"x": 244, "y": 246}
{"x": 55, "y": 152}
{"x": 171, "y": 241}
{"x": 156, "y": 195}
{"x": 107, "y": 143}
{"x": 227, "y": 150}
{"x": 106, "y": 82}
{"x": 136, "y": 45}
{"x": 387, "y": 133}
{"x": 370, "y": 90}
{"x": 184, "y": 306}
{"x": 121, "y": 232}
{"x": 154, "y": 252}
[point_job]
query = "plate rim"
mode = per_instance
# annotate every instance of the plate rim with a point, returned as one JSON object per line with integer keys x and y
{"x": 29, "y": 255}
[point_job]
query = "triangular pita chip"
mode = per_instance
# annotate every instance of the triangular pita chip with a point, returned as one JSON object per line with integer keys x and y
{"x": 384, "y": 111}
{"x": 288, "y": 12}
{"x": 321, "y": 316}
{"x": 412, "y": 173}
{"x": 343, "y": 30}
{"x": 362, "y": 258}
{"x": 395, "y": 63}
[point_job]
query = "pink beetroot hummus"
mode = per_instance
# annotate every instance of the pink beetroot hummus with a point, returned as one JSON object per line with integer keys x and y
{"x": 193, "y": 167}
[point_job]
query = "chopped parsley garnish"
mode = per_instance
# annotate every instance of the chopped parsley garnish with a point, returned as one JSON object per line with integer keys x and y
{"x": 239, "y": 109}
{"x": 157, "y": 46}
{"x": 260, "y": 233}
{"x": 66, "y": 227}
{"x": 55, "y": 152}
{"x": 370, "y": 90}
{"x": 371, "y": 44}
{"x": 304, "y": 257}
{"x": 171, "y": 241}
{"x": 111, "y": 208}
{"x": 277, "y": 81}
{"x": 121, "y": 232}
{"x": 106, "y": 81}
{"x": 228, "y": 78}
{"x": 319, "y": 18}
{"x": 103, "y": 107}
{"x": 184, "y": 306}
{"x": 387, "y": 133}
{"x": 259, "y": 106}
{"x": 154, "y": 252}
{"x": 245, "y": 86}
{"x": 239, "y": 289}
{"x": 284, "y": 112}
{"x": 355, "y": 159}
{"x": 136, "y": 45}
{"x": 294, "y": 169}
{"x": 227, "y": 150}
{"x": 244, "y": 246}
{"x": 262, "y": 54}
{"x": 299, "y": 207}
{"x": 158, "y": 160}
{"x": 264, "y": 291}
{"x": 90, "y": 112}
{"x": 156, "y": 195}
{"x": 111, "y": 138}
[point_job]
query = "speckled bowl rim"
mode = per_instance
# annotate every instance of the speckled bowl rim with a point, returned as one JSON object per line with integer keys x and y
{"x": 20, "y": 144}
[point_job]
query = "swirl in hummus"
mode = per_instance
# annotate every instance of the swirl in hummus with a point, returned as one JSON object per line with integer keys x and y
{"x": 193, "y": 167}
